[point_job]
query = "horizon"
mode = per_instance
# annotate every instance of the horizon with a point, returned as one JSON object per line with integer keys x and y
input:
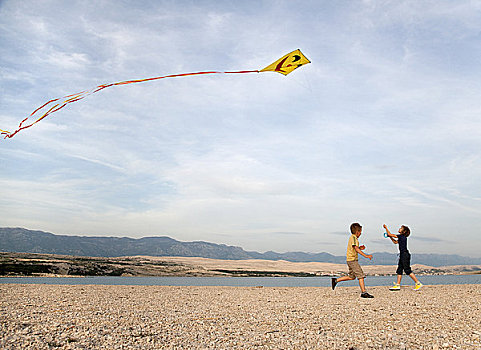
{"x": 210, "y": 242}
{"x": 381, "y": 128}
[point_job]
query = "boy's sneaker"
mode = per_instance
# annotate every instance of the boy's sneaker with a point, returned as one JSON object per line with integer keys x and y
{"x": 395, "y": 287}
{"x": 366, "y": 295}
{"x": 333, "y": 282}
{"x": 418, "y": 286}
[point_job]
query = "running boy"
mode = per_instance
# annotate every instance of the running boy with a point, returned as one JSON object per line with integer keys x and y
{"x": 355, "y": 270}
{"x": 404, "y": 263}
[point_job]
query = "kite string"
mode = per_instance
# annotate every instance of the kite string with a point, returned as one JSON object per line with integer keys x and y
{"x": 81, "y": 95}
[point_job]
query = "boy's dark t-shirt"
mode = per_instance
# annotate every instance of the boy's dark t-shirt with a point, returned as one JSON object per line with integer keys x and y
{"x": 403, "y": 244}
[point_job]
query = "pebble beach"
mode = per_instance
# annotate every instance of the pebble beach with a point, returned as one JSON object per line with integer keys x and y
{"x": 162, "y": 317}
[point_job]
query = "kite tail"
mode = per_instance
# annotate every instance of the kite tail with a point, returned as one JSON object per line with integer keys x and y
{"x": 56, "y": 104}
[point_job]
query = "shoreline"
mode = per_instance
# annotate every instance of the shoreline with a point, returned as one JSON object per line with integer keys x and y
{"x": 168, "y": 317}
{"x": 18, "y": 264}
{"x": 229, "y": 281}
{"x": 230, "y": 276}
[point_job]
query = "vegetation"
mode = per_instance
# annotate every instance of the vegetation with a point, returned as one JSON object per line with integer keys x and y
{"x": 249, "y": 273}
{"x": 25, "y": 269}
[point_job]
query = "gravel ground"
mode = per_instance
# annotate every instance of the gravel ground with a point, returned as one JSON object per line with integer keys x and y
{"x": 159, "y": 317}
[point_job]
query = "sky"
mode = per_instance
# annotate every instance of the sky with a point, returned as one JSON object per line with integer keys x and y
{"x": 383, "y": 127}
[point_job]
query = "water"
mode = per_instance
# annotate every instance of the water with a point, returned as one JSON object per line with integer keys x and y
{"x": 239, "y": 281}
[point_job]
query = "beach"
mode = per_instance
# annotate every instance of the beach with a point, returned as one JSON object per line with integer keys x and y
{"x": 162, "y": 317}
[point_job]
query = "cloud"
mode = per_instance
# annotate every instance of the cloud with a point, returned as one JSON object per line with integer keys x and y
{"x": 438, "y": 198}
{"x": 340, "y": 233}
{"x": 288, "y": 233}
{"x": 96, "y": 161}
{"x": 68, "y": 60}
{"x": 432, "y": 239}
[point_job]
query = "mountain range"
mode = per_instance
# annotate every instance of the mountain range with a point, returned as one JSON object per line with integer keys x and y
{"x": 21, "y": 240}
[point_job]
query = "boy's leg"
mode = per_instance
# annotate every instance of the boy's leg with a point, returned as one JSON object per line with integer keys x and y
{"x": 364, "y": 293}
{"x": 399, "y": 270}
{"x": 413, "y": 276}
{"x": 335, "y": 281}
{"x": 351, "y": 276}
{"x": 407, "y": 269}
{"x": 399, "y": 277}
{"x": 362, "y": 285}
{"x": 345, "y": 278}
{"x": 406, "y": 266}
{"x": 357, "y": 271}
{"x": 397, "y": 285}
{"x": 399, "y": 273}
{"x": 418, "y": 285}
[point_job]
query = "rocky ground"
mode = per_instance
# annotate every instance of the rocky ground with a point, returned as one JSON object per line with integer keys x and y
{"x": 159, "y": 317}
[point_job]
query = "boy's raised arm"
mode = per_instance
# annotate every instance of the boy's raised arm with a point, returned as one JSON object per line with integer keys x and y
{"x": 390, "y": 235}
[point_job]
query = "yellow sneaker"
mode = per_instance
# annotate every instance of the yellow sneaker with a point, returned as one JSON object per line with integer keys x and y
{"x": 395, "y": 287}
{"x": 418, "y": 286}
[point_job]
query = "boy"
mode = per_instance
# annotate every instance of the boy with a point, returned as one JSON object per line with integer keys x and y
{"x": 404, "y": 263}
{"x": 355, "y": 270}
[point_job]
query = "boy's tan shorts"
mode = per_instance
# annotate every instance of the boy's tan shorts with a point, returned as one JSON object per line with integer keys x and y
{"x": 355, "y": 270}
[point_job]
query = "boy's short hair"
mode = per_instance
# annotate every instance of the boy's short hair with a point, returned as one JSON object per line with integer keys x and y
{"x": 405, "y": 231}
{"x": 355, "y": 227}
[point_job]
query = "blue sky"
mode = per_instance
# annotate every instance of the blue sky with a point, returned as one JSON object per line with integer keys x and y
{"x": 383, "y": 127}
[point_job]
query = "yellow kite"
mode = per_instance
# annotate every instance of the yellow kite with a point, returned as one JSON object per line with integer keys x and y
{"x": 284, "y": 65}
{"x": 288, "y": 63}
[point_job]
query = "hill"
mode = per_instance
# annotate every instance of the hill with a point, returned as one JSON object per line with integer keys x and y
{"x": 22, "y": 240}
{"x": 50, "y": 265}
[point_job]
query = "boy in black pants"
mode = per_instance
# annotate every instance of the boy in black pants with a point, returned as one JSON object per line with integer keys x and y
{"x": 404, "y": 263}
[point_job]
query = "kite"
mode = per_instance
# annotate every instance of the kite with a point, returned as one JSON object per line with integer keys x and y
{"x": 283, "y": 65}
